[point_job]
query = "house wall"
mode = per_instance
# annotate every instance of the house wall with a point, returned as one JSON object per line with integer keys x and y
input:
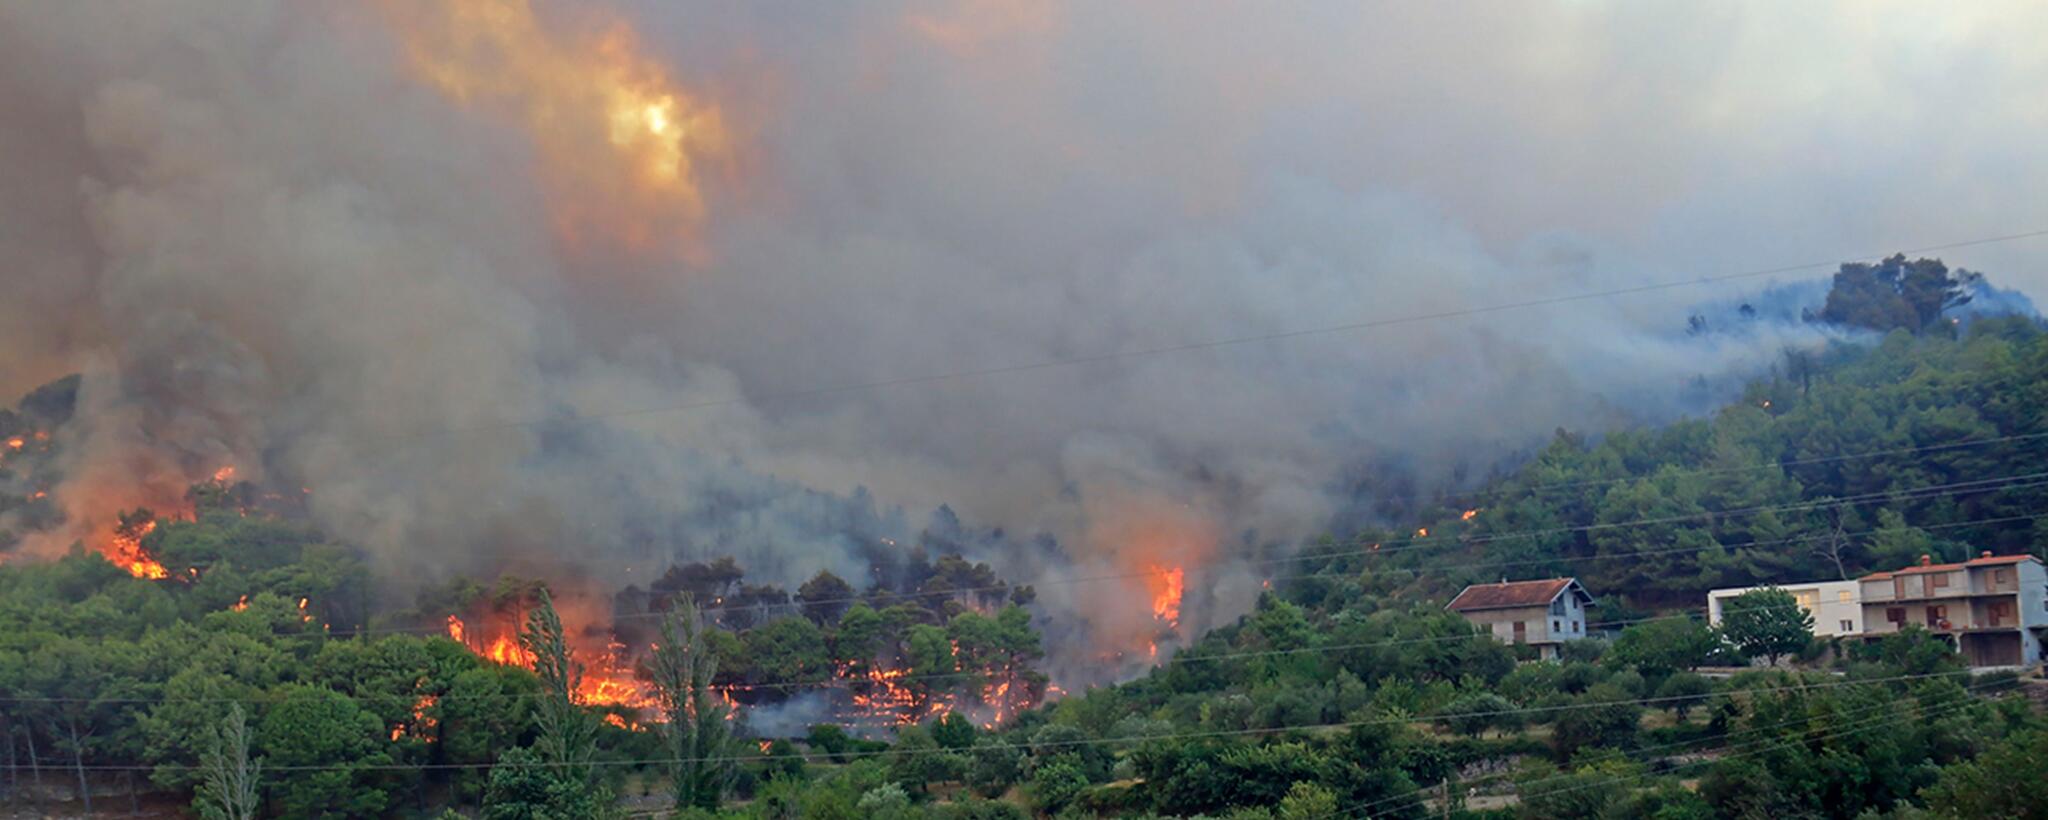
{"x": 1830, "y": 602}
{"x": 1502, "y": 623}
{"x": 2033, "y": 592}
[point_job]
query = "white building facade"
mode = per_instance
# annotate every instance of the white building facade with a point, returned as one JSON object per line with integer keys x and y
{"x": 1836, "y": 606}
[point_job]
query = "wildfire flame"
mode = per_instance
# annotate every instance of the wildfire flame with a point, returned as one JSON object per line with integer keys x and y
{"x": 1166, "y": 595}
{"x": 16, "y": 443}
{"x": 241, "y": 605}
{"x": 125, "y": 550}
{"x": 608, "y": 681}
{"x": 621, "y": 144}
{"x": 1469, "y": 514}
{"x": 422, "y": 723}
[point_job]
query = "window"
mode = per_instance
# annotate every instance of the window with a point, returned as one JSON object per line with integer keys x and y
{"x": 1848, "y": 626}
{"x": 1999, "y": 577}
{"x": 1577, "y": 627}
{"x": 1896, "y": 615}
{"x": 1935, "y": 615}
{"x": 1557, "y": 606}
{"x": 1521, "y": 632}
{"x": 1556, "y": 627}
{"x": 1843, "y": 596}
{"x": 1805, "y": 598}
{"x": 2000, "y": 612}
{"x": 1938, "y": 581}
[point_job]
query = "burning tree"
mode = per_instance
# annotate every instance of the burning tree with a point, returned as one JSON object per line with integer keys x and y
{"x": 694, "y": 715}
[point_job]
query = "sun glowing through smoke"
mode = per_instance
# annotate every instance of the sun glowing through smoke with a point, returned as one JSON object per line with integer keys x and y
{"x": 622, "y": 145}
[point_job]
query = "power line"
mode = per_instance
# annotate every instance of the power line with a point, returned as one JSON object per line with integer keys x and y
{"x": 2022, "y": 481}
{"x": 846, "y": 683}
{"x": 1834, "y": 731}
{"x": 1382, "y": 721}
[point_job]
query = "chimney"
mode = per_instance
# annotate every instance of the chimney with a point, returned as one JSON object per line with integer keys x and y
{"x": 1926, "y": 559}
{"x": 1985, "y": 554}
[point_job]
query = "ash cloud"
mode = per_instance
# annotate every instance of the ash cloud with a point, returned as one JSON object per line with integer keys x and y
{"x": 268, "y": 243}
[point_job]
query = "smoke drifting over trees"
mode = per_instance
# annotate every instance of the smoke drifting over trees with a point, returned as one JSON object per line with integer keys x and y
{"x": 300, "y": 240}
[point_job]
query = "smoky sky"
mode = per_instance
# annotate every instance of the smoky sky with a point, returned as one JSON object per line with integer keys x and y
{"x": 266, "y": 241}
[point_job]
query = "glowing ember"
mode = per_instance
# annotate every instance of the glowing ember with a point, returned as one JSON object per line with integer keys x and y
{"x": 1422, "y": 532}
{"x": 224, "y": 475}
{"x": 422, "y": 724}
{"x": 1166, "y": 594}
{"x": 1469, "y": 514}
{"x": 16, "y": 443}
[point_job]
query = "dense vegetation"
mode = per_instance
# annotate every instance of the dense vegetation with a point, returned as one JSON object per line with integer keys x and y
{"x": 269, "y": 683}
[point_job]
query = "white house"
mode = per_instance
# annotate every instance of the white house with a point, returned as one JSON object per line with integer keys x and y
{"x": 1836, "y": 606}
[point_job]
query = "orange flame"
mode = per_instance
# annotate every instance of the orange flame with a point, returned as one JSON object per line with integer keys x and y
{"x": 16, "y": 443}
{"x": 455, "y": 628}
{"x": 125, "y": 550}
{"x": 241, "y": 605}
{"x": 1166, "y": 594}
{"x": 422, "y": 723}
{"x": 621, "y": 145}
{"x": 224, "y": 475}
{"x": 1469, "y": 514}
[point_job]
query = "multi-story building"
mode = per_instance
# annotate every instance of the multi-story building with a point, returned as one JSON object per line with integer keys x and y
{"x": 1836, "y": 606}
{"x": 1993, "y": 607}
{"x": 1543, "y": 614}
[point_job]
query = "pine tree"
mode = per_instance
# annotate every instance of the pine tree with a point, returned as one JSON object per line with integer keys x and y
{"x": 227, "y": 790}
{"x": 568, "y": 735}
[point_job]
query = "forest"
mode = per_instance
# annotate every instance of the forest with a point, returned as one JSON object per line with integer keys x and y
{"x": 264, "y": 671}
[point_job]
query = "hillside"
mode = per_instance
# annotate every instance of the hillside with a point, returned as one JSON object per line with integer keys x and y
{"x": 1347, "y": 691}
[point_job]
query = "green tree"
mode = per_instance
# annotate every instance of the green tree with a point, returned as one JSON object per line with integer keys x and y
{"x": 1766, "y": 622}
{"x": 1475, "y": 712}
{"x": 695, "y": 726}
{"x": 1056, "y": 783}
{"x": 825, "y": 598}
{"x": 1683, "y": 691}
{"x": 524, "y": 787}
{"x": 1661, "y": 647}
{"x": 567, "y": 734}
{"x": 324, "y": 751}
{"x": 1307, "y": 801}
{"x": 2002, "y": 782}
{"x": 994, "y": 766}
{"x": 1604, "y": 716}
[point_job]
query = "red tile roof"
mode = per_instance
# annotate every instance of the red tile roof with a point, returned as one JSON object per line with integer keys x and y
{"x": 1508, "y": 595}
{"x": 1986, "y": 561}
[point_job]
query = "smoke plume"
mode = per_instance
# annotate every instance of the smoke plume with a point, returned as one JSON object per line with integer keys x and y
{"x": 510, "y": 285}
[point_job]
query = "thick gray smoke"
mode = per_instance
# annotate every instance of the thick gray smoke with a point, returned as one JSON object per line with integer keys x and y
{"x": 270, "y": 241}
